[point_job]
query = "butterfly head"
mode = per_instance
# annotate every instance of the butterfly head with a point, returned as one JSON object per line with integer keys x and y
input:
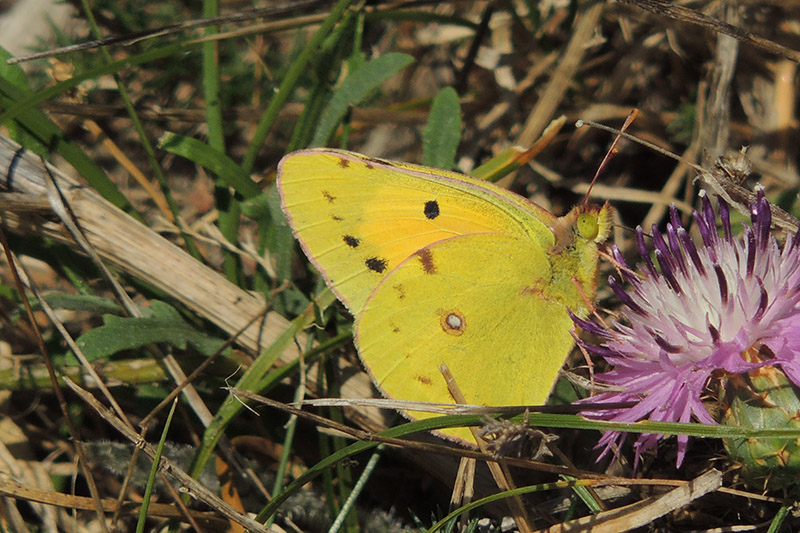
{"x": 593, "y": 222}
{"x": 585, "y": 222}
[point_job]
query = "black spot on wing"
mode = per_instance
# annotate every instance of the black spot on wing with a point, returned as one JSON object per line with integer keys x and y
{"x": 344, "y": 163}
{"x": 376, "y": 264}
{"x": 351, "y": 241}
{"x": 328, "y": 196}
{"x": 431, "y": 209}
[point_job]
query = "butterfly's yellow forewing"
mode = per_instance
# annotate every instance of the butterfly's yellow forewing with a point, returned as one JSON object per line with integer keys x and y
{"x": 439, "y": 268}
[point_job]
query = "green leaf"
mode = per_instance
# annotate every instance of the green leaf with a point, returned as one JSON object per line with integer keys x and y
{"x": 256, "y": 378}
{"x": 15, "y": 75}
{"x": 338, "y": 17}
{"x": 355, "y": 87}
{"x": 264, "y": 207}
{"x": 207, "y": 157}
{"x": 442, "y": 134}
{"x": 278, "y": 239}
{"x": 163, "y": 324}
{"x": 501, "y": 165}
{"x": 81, "y": 302}
{"x": 30, "y": 101}
{"x": 48, "y": 134}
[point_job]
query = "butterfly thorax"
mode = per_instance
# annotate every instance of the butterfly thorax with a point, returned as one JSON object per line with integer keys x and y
{"x": 574, "y": 256}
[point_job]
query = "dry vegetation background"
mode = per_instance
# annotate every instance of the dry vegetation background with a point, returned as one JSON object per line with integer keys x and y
{"x": 701, "y": 94}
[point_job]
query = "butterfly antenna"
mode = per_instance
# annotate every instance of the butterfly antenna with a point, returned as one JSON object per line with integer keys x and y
{"x": 625, "y": 135}
{"x": 612, "y": 151}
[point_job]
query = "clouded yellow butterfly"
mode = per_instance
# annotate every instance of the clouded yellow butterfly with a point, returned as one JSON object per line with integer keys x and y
{"x": 440, "y": 268}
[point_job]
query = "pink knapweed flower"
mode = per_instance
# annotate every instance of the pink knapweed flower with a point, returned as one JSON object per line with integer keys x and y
{"x": 730, "y": 305}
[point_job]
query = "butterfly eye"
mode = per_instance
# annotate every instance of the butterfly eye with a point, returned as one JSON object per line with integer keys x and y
{"x": 587, "y": 226}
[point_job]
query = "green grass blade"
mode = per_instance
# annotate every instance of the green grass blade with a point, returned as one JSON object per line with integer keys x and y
{"x": 251, "y": 380}
{"x": 585, "y": 495}
{"x": 356, "y": 448}
{"x": 147, "y": 146}
{"x": 228, "y": 207}
{"x": 295, "y": 71}
{"x": 442, "y": 134}
{"x": 500, "y": 165}
{"x": 288, "y": 441}
{"x": 212, "y": 159}
{"x": 350, "y": 503}
{"x": 355, "y": 88}
{"x": 497, "y": 497}
{"x": 111, "y": 68}
{"x": 151, "y": 480}
{"x": 780, "y": 517}
{"x": 15, "y": 75}
{"x": 48, "y": 134}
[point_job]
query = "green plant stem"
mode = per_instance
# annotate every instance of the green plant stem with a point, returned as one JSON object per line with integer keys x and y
{"x": 254, "y": 379}
{"x": 288, "y": 441}
{"x": 289, "y": 82}
{"x": 146, "y": 144}
{"x": 228, "y": 207}
{"x": 151, "y": 480}
{"x": 357, "y": 489}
